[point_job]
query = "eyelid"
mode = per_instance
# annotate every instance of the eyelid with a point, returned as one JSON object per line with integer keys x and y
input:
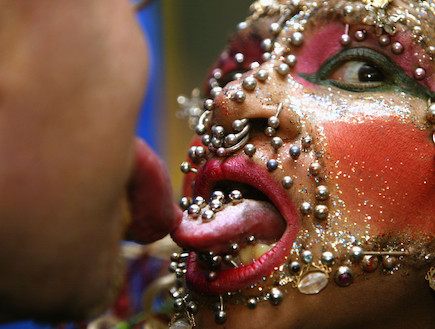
{"x": 395, "y": 77}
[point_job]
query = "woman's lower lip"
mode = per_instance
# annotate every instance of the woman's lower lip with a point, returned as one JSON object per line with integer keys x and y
{"x": 244, "y": 171}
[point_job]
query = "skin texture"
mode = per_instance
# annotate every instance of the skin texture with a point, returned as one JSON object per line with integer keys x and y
{"x": 73, "y": 75}
{"x": 377, "y": 160}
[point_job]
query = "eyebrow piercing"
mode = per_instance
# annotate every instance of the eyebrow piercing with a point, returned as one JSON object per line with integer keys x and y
{"x": 345, "y": 39}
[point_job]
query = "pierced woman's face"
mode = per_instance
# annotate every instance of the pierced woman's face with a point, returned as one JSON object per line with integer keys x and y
{"x": 312, "y": 205}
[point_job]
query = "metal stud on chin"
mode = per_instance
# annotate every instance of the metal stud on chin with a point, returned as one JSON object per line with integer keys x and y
{"x": 220, "y": 316}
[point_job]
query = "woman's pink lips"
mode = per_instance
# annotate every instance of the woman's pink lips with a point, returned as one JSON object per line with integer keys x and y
{"x": 245, "y": 171}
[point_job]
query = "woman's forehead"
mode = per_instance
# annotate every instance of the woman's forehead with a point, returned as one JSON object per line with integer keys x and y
{"x": 388, "y": 16}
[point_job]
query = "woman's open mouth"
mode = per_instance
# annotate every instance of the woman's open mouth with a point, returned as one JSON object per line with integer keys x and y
{"x": 240, "y": 228}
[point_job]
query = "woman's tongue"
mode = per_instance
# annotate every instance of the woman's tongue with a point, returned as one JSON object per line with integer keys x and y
{"x": 233, "y": 224}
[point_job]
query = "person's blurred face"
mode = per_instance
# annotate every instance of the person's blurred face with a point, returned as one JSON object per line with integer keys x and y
{"x": 353, "y": 166}
{"x": 72, "y": 79}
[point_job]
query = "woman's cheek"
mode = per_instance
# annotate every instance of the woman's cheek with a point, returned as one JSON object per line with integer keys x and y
{"x": 384, "y": 172}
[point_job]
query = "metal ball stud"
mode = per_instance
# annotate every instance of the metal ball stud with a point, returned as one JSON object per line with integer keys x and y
{"x": 239, "y": 96}
{"x": 345, "y": 40}
{"x": 291, "y": 60}
{"x": 305, "y": 208}
{"x": 297, "y": 39}
{"x": 273, "y": 122}
{"x": 220, "y": 317}
{"x": 283, "y": 69}
{"x": 315, "y": 168}
{"x": 419, "y": 73}
{"x": 430, "y": 114}
{"x": 207, "y": 215}
{"x": 328, "y": 258}
{"x": 276, "y": 296}
{"x": 295, "y": 151}
{"x": 276, "y": 142}
{"x": 249, "y": 83}
{"x": 397, "y": 48}
{"x": 322, "y": 193}
{"x": 184, "y": 203}
{"x": 287, "y": 182}
{"x": 262, "y": 75}
{"x": 209, "y": 104}
{"x": 249, "y": 150}
{"x": 266, "y": 45}
{"x": 321, "y": 212}
{"x": 356, "y": 254}
{"x": 272, "y": 165}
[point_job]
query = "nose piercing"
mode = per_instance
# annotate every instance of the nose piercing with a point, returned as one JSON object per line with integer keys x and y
{"x": 273, "y": 122}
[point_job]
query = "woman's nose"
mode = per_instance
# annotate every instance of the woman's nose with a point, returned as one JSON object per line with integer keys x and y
{"x": 262, "y": 100}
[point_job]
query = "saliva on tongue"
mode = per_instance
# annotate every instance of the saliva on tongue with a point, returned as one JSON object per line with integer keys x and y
{"x": 235, "y": 223}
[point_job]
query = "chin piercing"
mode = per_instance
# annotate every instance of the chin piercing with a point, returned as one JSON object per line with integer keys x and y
{"x": 186, "y": 168}
{"x": 252, "y": 303}
{"x": 249, "y": 83}
{"x": 305, "y": 208}
{"x": 287, "y": 182}
{"x": 327, "y": 258}
{"x": 343, "y": 276}
{"x": 357, "y": 253}
{"x": 321, "y": 212}
{"x": 345, "y": 39}
{"x": 262, "y": 75}
{"x": 272, "y": 165}
{"x": 276, "y": 296}
{"x": 250, "y": 150}
{"x": 384, "y": 40}
{"x": 397, "y": 48}
{"x": 322, "y": 193}
{"x": 220, "y": 316}
{"x": 295, "y": 152}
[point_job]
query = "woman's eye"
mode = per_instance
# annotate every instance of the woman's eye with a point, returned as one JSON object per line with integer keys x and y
{"x": 358, "y": 72}
{"x": 365, "y": 70}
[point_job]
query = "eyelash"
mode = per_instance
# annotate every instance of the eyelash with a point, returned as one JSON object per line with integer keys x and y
{"x": 395, "y": 78}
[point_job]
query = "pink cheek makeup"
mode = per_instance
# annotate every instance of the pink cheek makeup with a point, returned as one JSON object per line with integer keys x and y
{"x": 378, "y": 162}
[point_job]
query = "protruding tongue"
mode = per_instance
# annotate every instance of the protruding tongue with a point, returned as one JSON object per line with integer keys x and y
{"x": 233, "y": 224}
{"x": 154, "y": 212}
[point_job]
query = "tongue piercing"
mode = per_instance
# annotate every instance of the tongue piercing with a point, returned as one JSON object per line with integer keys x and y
{"x": 315, "y": 168}
{"x": 272, "y": 165}
{"x": 218, "y": 195}
{"x": 295, "y": 152}
{"x": 184, "y": 203}
{"x": 276, "y": 142}
{"x": 287, "y": 182}
{"x": 186, "y": 168}
{"x": 199, "y": 200}
{"x": 250, "y": 150}
{"x": 236, "y": 196}
{"x": 305, "y": 208}
{"x": 207, "y": 215}
{"x": 229, "y": 259}
{"x": 276, "y": 296}
{"x": 322, "y": 193}
{"x": 220, "y": 316}
{"x": 321, "y": 212}
{"x": 262, "y": 75}
{"x": 215, "y": 205}
{"x": 194, "y": 210}
{"x": 249, "y": 83}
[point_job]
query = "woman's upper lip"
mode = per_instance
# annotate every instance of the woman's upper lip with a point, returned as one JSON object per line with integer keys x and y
{"x": 243, "y": 170}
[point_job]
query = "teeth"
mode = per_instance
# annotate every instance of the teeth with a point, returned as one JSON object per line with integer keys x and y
{"x": 249, "y": 253}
